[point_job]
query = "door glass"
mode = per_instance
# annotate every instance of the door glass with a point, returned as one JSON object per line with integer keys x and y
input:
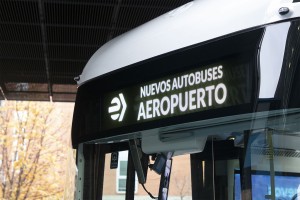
{"x": 114, "y": 184}
{"x": 180, "y": 182}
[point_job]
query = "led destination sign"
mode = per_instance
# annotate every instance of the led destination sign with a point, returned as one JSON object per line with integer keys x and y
{"x": 182, "y": 96}
{"x": 206, "y": 87}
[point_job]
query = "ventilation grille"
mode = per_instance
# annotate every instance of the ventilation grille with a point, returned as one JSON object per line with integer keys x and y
{"x": 276, "y": 152}
{"x": 48, "y": 42}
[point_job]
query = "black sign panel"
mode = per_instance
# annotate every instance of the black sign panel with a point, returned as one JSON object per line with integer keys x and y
{"x": 209, "y": 80}
{"x": 114, "y": 160}
{"x": 201, "y": 88}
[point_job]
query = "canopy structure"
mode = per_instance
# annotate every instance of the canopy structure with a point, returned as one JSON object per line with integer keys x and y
{"x": 44, "y": 44}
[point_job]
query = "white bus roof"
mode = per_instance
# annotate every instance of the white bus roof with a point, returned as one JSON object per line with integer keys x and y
{"x": 192, "y": 23}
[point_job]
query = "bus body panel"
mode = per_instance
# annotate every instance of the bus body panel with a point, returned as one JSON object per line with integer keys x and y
{"x": 193, "y": 23}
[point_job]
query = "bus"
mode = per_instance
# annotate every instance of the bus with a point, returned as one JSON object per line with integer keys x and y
{"x": 202, "y": 102}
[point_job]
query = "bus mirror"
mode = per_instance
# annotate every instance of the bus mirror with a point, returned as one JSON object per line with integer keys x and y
{"x": 140, "y": 160}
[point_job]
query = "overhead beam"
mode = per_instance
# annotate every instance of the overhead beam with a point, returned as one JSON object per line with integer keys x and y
{"x": 45, "y": 46}
{"x": 114, "y": 20}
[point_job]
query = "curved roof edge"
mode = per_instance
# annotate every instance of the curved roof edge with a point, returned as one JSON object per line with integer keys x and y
{"x": 192, "y": 23}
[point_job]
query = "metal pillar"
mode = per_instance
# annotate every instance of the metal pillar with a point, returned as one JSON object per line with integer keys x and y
{"x": 130, "y": 181}
{"x": 245, "y": 168}
{"x": 80, "y": 173}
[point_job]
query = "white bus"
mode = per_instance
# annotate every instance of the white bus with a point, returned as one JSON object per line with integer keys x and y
{"x": 206, "y": 101}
